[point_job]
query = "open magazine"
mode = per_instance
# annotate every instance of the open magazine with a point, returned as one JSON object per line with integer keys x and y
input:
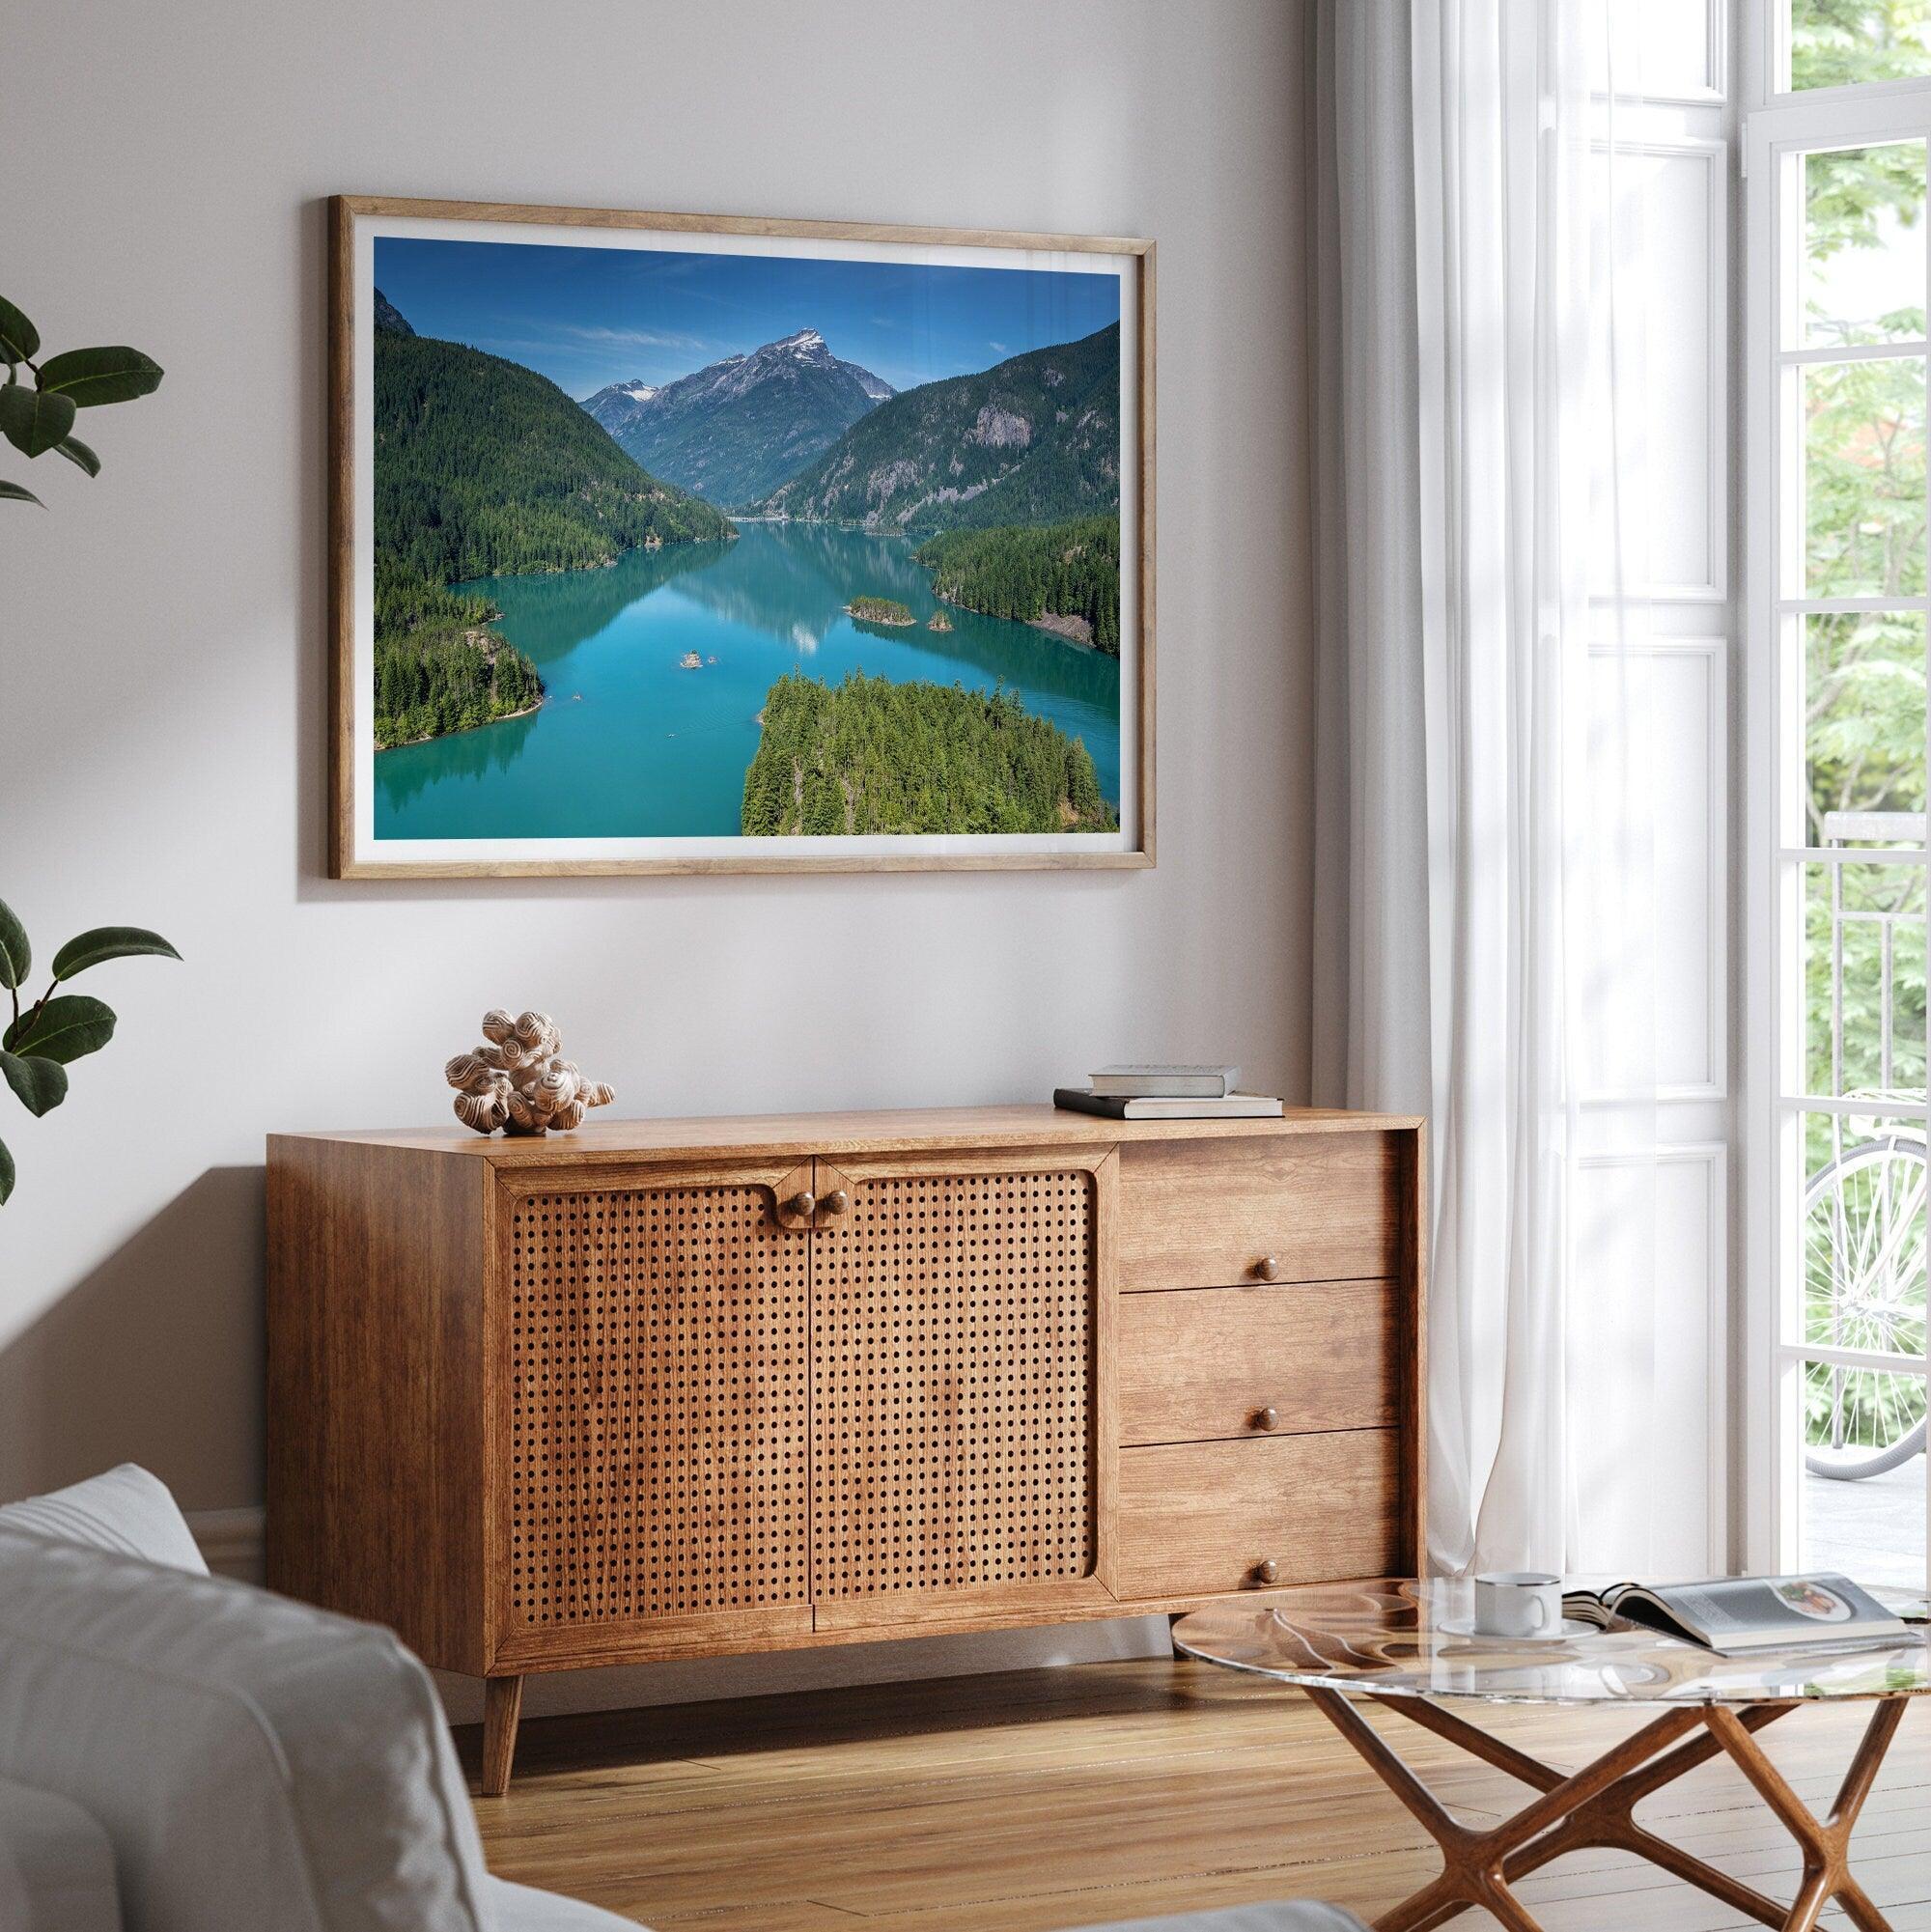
{"x": 1736, "y": 1616}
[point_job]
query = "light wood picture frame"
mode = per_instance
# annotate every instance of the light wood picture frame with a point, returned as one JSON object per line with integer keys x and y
{"x": 640, "y": 565}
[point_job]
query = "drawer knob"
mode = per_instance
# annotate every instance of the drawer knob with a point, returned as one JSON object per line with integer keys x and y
{"x": 835, "y": 1202}
{"x": 1268, "y": 1268}
{"x": 1267, "y": 1419}
{"x": 1266, "y": 1571}
{"x": 802, "y": 1204}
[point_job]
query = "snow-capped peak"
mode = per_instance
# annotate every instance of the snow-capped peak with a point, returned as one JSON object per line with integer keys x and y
{"x": 805, "y": 339}
{"x": 637, "y": 392}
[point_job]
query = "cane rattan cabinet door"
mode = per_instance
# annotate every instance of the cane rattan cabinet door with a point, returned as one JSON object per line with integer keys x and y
{"x": 956, "y": 1352}
{"x": 658, "y": 1426}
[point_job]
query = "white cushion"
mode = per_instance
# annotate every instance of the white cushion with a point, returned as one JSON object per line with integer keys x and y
{"x": 126, "y": 1510}
{"x": 260, "y": 1766}
{"x": 519, "y": 1907}
{"x": 56, "y": 1865}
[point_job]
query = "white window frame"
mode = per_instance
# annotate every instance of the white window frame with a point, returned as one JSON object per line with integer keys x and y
{"x": 1777, "y": 125}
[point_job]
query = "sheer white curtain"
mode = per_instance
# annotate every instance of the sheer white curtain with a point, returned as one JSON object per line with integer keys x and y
{"x": 1482, "y": 863}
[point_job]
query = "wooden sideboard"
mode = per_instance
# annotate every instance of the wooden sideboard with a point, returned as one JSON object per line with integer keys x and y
{"x": 672, "y": 1388}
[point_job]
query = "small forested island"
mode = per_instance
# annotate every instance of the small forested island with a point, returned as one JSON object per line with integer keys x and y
{"x": 1064, "y": 577}
{"x": 438, "y": 667}
{"x": 880, "y": 610}
{"x": 869, "y": 756}
{"x": 486, "y": 468}
{"x": 939, "y": 621}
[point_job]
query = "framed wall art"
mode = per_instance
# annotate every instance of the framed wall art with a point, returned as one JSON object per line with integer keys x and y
{"x": 676, "y": 544}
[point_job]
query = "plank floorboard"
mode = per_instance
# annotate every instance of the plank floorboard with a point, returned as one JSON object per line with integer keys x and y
{"x": 1044, "y": 1800}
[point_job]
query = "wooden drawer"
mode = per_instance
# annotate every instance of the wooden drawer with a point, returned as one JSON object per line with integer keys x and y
{"x": 1197, "y": 1363}
{"x": 1304, "y": 1207}
{"x": 1200, "y": 1518}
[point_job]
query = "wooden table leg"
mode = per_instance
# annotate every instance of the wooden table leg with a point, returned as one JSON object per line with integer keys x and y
{"x": 1826, "y": 1843}
{"x": 1595, "y": 1808}
{"x": 1474, "y": 1863}
{"x": 1609, "y": 1821}
{"x": 502, "y": 1706}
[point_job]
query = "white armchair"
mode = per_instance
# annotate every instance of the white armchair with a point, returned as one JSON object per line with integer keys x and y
{"x": 180, "y": 1752}
{"x": 254, "y": 1763}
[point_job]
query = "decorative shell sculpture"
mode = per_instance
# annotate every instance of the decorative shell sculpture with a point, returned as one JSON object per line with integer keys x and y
{"x": 518, "y": 1079}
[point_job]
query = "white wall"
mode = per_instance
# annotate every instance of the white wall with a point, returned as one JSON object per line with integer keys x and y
{"x": 162, "y": 645}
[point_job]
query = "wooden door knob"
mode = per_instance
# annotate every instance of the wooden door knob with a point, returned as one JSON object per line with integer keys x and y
{"x": 1267, "y": 1419}
{"x": 1268, "y": 1268}
{"x": 835, "y": 1202}
{"x": 804, "y": 1204}
{"x": 1266, "y": 1571}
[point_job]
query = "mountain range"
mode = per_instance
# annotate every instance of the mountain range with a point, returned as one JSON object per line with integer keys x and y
{"x": 735, "y": 430}
{"x": 1034, "y": 439}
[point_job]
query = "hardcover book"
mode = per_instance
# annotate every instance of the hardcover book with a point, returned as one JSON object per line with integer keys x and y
{"x": 1167, "y": 1107}
{"x": 1129, "y": 1081}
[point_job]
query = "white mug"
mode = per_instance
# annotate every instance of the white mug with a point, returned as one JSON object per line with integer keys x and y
{"x": 1518, "y": 1603}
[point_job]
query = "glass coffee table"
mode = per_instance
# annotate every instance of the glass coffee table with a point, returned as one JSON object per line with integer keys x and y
{"x": 1409, "y": 1647}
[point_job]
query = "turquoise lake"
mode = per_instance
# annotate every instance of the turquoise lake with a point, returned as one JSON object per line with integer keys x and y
{"x": 630, "y": 745}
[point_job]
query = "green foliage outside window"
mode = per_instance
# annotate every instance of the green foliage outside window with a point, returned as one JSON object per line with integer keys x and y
{"x": 1847, "y": 42}
{"x": 1864, "y": 475}
{"x": 1864, "y": 483}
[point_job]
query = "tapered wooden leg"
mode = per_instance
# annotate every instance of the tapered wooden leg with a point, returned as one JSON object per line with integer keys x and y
{"x": 1610, "y": 1820}
{"x": 1474, "y": 1863}
{"x": 502, "y": 1706}
{"x": 1595, "y": 1807}
{"x": 1826, "y": 1843}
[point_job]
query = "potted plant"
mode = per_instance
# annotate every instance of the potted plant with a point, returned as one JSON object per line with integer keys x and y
{"x": 45, "y": 1036}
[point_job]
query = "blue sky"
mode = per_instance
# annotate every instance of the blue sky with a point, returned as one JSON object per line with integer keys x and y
{"x": 585, "y": 316}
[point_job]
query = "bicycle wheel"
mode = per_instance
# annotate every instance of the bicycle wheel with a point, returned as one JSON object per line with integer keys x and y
{"x": 1863, "y": 1288}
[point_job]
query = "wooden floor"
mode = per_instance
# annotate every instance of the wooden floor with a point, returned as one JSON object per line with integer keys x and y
{"x": 1065, "y": 1798}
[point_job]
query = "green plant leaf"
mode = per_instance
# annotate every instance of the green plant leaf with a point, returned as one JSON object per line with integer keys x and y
{"x": 108, "y": 942}
{"x": 11, "y": 492}
{"x": 19, "y": 342}
{"x": 62, "y": 1030}
{"x": 41, "y": 1084}
{"x": 77, "y": 452}
{"x": 91, "y": 377}
{"x": 17, "y": 957}
{"x": 34, "y": 420}
{"x": 6, "y": 1174}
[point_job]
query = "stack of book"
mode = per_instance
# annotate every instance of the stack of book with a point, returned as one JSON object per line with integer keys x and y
{"x": 1166, "y": 1093}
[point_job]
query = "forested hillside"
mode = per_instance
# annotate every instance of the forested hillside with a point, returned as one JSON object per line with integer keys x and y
{"x": 869, "y": 756}
{"x": 1063, "y": 569}
{"x": 486, "y": 468}
{"x": 1034, "y": 439}
{"x": 439, "y": 668}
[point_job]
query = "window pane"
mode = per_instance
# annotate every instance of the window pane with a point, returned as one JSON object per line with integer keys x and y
{"x": 1840, "y": 42}
{"x": 1862, "y": 272}
{"x": 1863, "y": 729}
{"x": 1863, "y": 1257}
{"x": 1864, "y": 979}
{"x": 1863, "y": 478}
{"x": 1864, "y": 1509}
